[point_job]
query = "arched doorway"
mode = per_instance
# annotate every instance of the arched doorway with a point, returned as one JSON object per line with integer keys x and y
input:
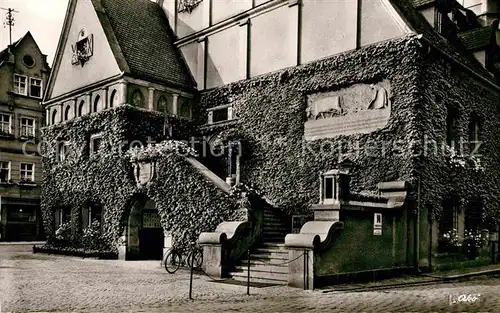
{"x": 145, "y": 236}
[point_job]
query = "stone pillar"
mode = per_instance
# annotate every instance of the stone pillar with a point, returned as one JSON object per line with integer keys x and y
{"x": 201, "y": 69}
{"x": 47, "y": 116}
{"x": 175, "y": 102}
{"x": 61, "y": 114}
{"x": 123, "y": 93}
{"x": 88, "y": 100}
{"x": 213, "y": 260}
{"x": 151, "y": 99}
{"x": 122, "y": 245}
{"x": 75, "y": 107}
{"x": 301, "y": 268}
{"x": 105, "y": 101}
{"x": 294, "y": 43}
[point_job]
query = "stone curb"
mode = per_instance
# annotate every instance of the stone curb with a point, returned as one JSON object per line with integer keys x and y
{"x": 467, "y": 275}
{"x": 21, "y": 243}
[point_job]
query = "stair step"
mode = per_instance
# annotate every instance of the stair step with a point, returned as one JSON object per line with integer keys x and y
{"x": 261, "y": 277}
{"x": 276, "y": 239}
{"x": 275, "y": 250}
{"x": 257, "y": 268}
{"x": 266, "y": 244}
{"x": 261, "y": 265}
{"x": 269, "y": 258}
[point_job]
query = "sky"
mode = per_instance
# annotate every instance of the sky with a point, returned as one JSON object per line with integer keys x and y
{"x": 44, "y": 18}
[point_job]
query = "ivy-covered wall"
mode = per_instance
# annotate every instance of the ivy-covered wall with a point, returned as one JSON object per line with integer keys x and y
{"x": 272, "y": 112}
{"x": 446, "y": 87}
{"x": 185, "y": 200}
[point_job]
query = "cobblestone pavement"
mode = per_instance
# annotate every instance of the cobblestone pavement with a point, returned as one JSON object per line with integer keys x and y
{"x": 41, "y": 283}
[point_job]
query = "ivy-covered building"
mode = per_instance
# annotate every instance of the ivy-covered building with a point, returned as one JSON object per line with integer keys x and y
{"x": 329, "y": 138}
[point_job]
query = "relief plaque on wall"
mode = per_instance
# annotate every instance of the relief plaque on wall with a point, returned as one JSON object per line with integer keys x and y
{"x": 358, "y": 109}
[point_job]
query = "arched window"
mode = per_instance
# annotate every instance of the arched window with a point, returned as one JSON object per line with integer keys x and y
{"x": 113, "y": 99}
{"x": 161, "y": 106}
{"x": 97, "y": 103}
{"x": 67, "y": 112}
{"x": 54, "y": 117}
{"x": 81, "y": 107}
{"x": 137, "y": 98}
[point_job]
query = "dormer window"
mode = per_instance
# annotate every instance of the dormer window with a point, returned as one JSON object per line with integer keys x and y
{"x": 220, "y": 114}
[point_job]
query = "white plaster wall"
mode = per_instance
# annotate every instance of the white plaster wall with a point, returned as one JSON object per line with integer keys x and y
{"x": 223, "y": 57}
{"x": 190, "y": 52}
{"x": 271, "y": 37}
{"x": 328, "y": 27}
{"x": 223, "y": 9}
{"x": 429, "y": 15}
{"x": 188, "y": 23}
{"x": 378, "y": 22}
{"x": 101, "y": 65}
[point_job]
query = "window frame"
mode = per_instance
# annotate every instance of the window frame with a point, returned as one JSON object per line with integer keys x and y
{"x": 25, "y": 170}
{"x": 41, "y": 87}
{"x": 9, "y": 132}
{"x": 26, "y": 83}
{"x": 64, "y": 147}
{"x": 9, "y": 168}
{"x": 21, "y": 127}
{"x": 91, "y": 144}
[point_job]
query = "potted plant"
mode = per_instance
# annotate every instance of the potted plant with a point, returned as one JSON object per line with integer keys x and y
{"x": 449, "y": 241}
{"x": 473, "y": 241}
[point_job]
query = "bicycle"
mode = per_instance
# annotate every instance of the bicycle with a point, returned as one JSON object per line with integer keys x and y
{"x": 177, "y": 257}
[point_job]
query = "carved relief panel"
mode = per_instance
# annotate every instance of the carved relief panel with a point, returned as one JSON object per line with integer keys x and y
{"x": 360, "y": 108}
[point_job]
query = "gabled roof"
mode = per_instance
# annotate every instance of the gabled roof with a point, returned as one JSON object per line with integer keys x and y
{"x": 452, "y": 48}
{"x": 145, "y": 39}
{"x": 476, "y": 38}
{"x": 140, "y": 38}
{"x": 4, "y": 54}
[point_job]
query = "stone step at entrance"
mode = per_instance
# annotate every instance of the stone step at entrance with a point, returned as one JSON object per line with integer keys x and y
{"x": 268, "y": 258}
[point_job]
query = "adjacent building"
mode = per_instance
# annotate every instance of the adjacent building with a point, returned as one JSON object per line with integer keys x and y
{"x": 366, "y": 130}
{"x": 23, "y": 76}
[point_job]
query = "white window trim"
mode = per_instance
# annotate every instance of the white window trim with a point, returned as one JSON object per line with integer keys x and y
{"x": 64, "y": 144}
{"x": 26, "y": 83}
{"x": 10, "y": 121}
{"x": 32, "y": 174}
{"x": 92, "y": 138}
{"x": 21, "y": 126}
{"x": 228, "y": 107}
{"x": 9, "y": 169}
{"x": 41, "y": 87}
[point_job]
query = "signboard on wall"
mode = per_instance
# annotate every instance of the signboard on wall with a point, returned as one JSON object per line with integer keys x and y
{"x": 151, "y": 220}
{"x": 377, "y": 224}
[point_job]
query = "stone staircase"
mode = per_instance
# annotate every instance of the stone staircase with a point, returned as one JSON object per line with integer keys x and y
{"x": 268, "y": 256}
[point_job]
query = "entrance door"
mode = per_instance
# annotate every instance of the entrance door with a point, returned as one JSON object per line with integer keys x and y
{"x": 151, "y": 236}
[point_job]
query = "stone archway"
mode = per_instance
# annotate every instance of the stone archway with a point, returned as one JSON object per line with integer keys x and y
{"x": 144, "y": 235}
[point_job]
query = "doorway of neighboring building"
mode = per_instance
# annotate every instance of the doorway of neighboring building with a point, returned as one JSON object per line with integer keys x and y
{"x": 145, "y": 236}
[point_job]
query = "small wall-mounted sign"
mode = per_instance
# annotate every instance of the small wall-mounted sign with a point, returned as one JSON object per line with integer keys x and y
{"x": 377, "y": 224}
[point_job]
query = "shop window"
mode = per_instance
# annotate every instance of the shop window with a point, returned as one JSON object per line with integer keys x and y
{"x": 473, "y": 214}
{"x": 449, "y": 215}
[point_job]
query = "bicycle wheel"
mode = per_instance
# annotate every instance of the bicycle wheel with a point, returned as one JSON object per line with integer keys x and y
{"x": 198, "y": 259}
{"x": 172, "y": 262}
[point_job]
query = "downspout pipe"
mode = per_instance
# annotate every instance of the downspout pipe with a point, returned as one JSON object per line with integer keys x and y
{"x": 417, "y": 230}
